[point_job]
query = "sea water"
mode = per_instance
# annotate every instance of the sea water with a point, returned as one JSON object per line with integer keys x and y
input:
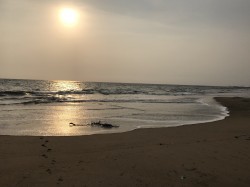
{"x": 37, "y": 107}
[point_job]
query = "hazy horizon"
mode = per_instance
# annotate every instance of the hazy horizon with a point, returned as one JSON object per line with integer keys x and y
{"x": 145, "y": 41}
{"x": 113, "y": 82}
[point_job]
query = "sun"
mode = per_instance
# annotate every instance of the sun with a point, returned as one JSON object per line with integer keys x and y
{"x": 68, "y": 16}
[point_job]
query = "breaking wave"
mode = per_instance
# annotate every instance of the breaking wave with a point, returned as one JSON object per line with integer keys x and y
{"x": 38, "y": 92}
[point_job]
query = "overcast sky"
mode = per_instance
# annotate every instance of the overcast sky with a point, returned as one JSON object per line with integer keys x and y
{"x": 148, "y": 41}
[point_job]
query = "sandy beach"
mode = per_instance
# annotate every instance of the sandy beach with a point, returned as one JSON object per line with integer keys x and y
{"x": 211, "y": 154}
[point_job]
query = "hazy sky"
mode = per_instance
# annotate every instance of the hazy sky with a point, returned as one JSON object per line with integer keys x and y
{"x": 150, "y": 41}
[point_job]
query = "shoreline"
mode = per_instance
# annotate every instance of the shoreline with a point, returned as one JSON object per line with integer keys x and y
{"x": 102, "y": 131}
{"x": 206, "y": 154}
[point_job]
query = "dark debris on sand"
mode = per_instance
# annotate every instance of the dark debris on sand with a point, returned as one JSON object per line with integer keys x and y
{"x": 96, "y": 124}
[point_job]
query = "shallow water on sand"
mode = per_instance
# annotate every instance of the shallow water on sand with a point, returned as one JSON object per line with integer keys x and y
{"x": 47, "y": 107}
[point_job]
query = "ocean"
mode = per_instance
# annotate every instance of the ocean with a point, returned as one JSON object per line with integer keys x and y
{"x": 46, "y": 108}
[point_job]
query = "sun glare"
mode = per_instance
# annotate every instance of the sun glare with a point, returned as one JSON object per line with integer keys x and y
{"x": 68, "y": 16}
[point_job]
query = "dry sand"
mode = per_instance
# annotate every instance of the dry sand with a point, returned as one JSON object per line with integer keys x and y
{"x": 211, "y": 154}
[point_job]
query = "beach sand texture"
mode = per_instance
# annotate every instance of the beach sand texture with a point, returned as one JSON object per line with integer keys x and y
{"x": 211, "y": 154}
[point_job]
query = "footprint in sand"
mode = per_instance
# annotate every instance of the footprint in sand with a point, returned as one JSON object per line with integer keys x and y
{"x": 161, "y": 144}
{"x": 49, "y": 171}
{"x": 59, "y": 180}
{"x": 44, "y": 155}
{"x": 53, "y": 162}
{"x": 240, "y": 136}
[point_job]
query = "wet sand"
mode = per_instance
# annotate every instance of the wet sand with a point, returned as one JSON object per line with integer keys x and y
{"x": 210, "y": 154}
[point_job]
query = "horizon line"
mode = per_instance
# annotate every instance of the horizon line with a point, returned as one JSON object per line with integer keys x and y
{"x": 173, "y": 84}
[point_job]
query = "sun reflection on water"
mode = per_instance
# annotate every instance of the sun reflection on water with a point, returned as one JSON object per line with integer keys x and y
{"x": 65, "y": 86}
{"x": 62, "y": 116}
